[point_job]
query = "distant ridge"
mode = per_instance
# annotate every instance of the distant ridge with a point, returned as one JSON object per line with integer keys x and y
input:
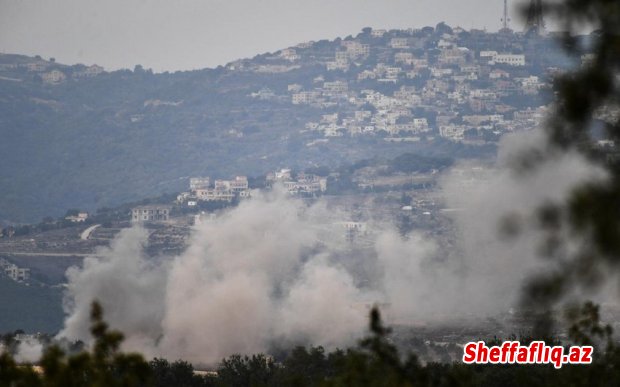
{"x": 81, "y": 137}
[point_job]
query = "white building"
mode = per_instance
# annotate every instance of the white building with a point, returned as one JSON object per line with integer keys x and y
{"x": 54, "y": 77}
{"x": 366, "y": 74}
{"x": 356, "y": 49}
{"x": 306, "y": 184}
{"x": 79, "y": 218}
{"x": 509, "y": 59}
{"x": 377, "y": 33}
{"x": 352, "y": 230}
{"x": 336, "y": 87}
{"x": 452, "y": 132}
{"x": 403, "y": 57}
{"x": 399, "y": 43}
{"x": 89, "y": 71}
{"x": 305, "y": 97}
{"x": 289, "y": 54}
{"x": 93, "y": 70}
{"x": 488, "y": 54}
{"x": 338, "y": 64}
{"x": 294, "y": 88}
{"x": 13, "y": 271}
{"x": 420, "y": 124}
{"x": 199, "y": 183}
{"x": 215, "y": 194}
{"x": 150, "y": 213}
{"x": 239, "y": 184}
{"x": 19, "y": 274}
{"x": 281, "y": 175}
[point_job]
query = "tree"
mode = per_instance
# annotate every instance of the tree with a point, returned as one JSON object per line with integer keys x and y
{"x": 443, "y": 28}
{"x": 584, "y": 96}
{"x": 241, "y": 371}
{"x": 103, "y": 366}
{"x": 72, "y": 212}
{"x": 179, "y": 374}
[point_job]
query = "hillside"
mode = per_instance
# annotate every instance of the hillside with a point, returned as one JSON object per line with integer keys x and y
{"x": 81, "y": 137}
{"x": 32, "y": 308}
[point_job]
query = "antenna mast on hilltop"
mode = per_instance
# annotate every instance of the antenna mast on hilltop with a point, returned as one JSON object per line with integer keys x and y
{"x": 535, "y": 21}
{"x": 506, "y": 19}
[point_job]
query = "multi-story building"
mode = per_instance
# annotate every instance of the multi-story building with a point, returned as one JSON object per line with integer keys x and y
{"x": 305, "y": 97}
{"x": 336, "y": 87}
{"x": 54, "y": 77}
{"x": 239, "y": 184}
{"x": 399, "y": 43}
{"x": 377, "y": 33}
{"x": 199, "y": 183}
{"x": 16, "y": 273}
{"x": 150, "y": 213}
{"x": 215, "y": 194}
{"x": 509, "y": 59}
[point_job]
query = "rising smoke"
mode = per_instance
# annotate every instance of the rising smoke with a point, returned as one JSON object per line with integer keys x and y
{"x": 29, "y": 351}
{"x": 267, "y": 272}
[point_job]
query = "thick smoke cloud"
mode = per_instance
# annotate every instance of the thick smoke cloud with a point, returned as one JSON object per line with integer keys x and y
{"x": 257, "y": 274}
{"x": 494, "y": 267}
{"x": 268, "y": 272}
{"x": 128, "y": 286}
{"x": 29, "y": 351}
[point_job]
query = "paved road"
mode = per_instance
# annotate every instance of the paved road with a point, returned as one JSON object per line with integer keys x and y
{"x": 45, "y": 254}
{"x": 86, "y": 233}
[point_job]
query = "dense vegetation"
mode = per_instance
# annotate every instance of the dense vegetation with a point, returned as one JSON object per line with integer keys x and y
{"x": 376, "y": 362}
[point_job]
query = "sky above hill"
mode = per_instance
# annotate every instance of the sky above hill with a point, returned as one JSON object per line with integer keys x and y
{"x": 193, "y": 34}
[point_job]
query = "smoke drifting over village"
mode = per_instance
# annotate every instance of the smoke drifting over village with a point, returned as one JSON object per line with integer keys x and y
{"x": 265, "y": 272}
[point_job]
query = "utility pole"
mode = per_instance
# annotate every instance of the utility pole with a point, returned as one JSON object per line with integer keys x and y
{"x": 506, "y": 19}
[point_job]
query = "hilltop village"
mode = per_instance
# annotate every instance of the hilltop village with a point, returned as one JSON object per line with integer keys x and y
{"x": 435, "y": 91}
{"x": 372, "y": 118}
{"x": 418, "y": 84}
{"x": 431, "y": 86}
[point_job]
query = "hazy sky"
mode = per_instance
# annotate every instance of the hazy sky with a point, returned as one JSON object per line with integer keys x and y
{"x": 190, "y": 34}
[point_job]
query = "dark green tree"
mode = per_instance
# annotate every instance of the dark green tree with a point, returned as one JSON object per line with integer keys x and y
{"x": 103, "y": 366}
{"x": 586, "y": 97}
{"x": 179, "y": 374}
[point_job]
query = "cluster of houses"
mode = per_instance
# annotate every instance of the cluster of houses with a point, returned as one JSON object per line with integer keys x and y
{"x": 52, "y": 73}
{"x": 304, "y": 184}
{"x": 200, "y": 189}
{"x": 463, "y": 88}
{"x": 14, "y": 272}
{"x": 419, "y": 85}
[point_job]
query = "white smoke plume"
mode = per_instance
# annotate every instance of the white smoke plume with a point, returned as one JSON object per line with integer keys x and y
{"x": 267, "y": 272}
{"x": 129, "y": 288}
{"x": 29, "y": 351}
{"x": 494, "y": 268}
{"x": 261, "y": 272}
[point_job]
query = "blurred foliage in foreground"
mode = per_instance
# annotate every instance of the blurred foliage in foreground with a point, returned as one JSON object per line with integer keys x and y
{"x": 583, "y": 233}
{"x": 375, "y": 362}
